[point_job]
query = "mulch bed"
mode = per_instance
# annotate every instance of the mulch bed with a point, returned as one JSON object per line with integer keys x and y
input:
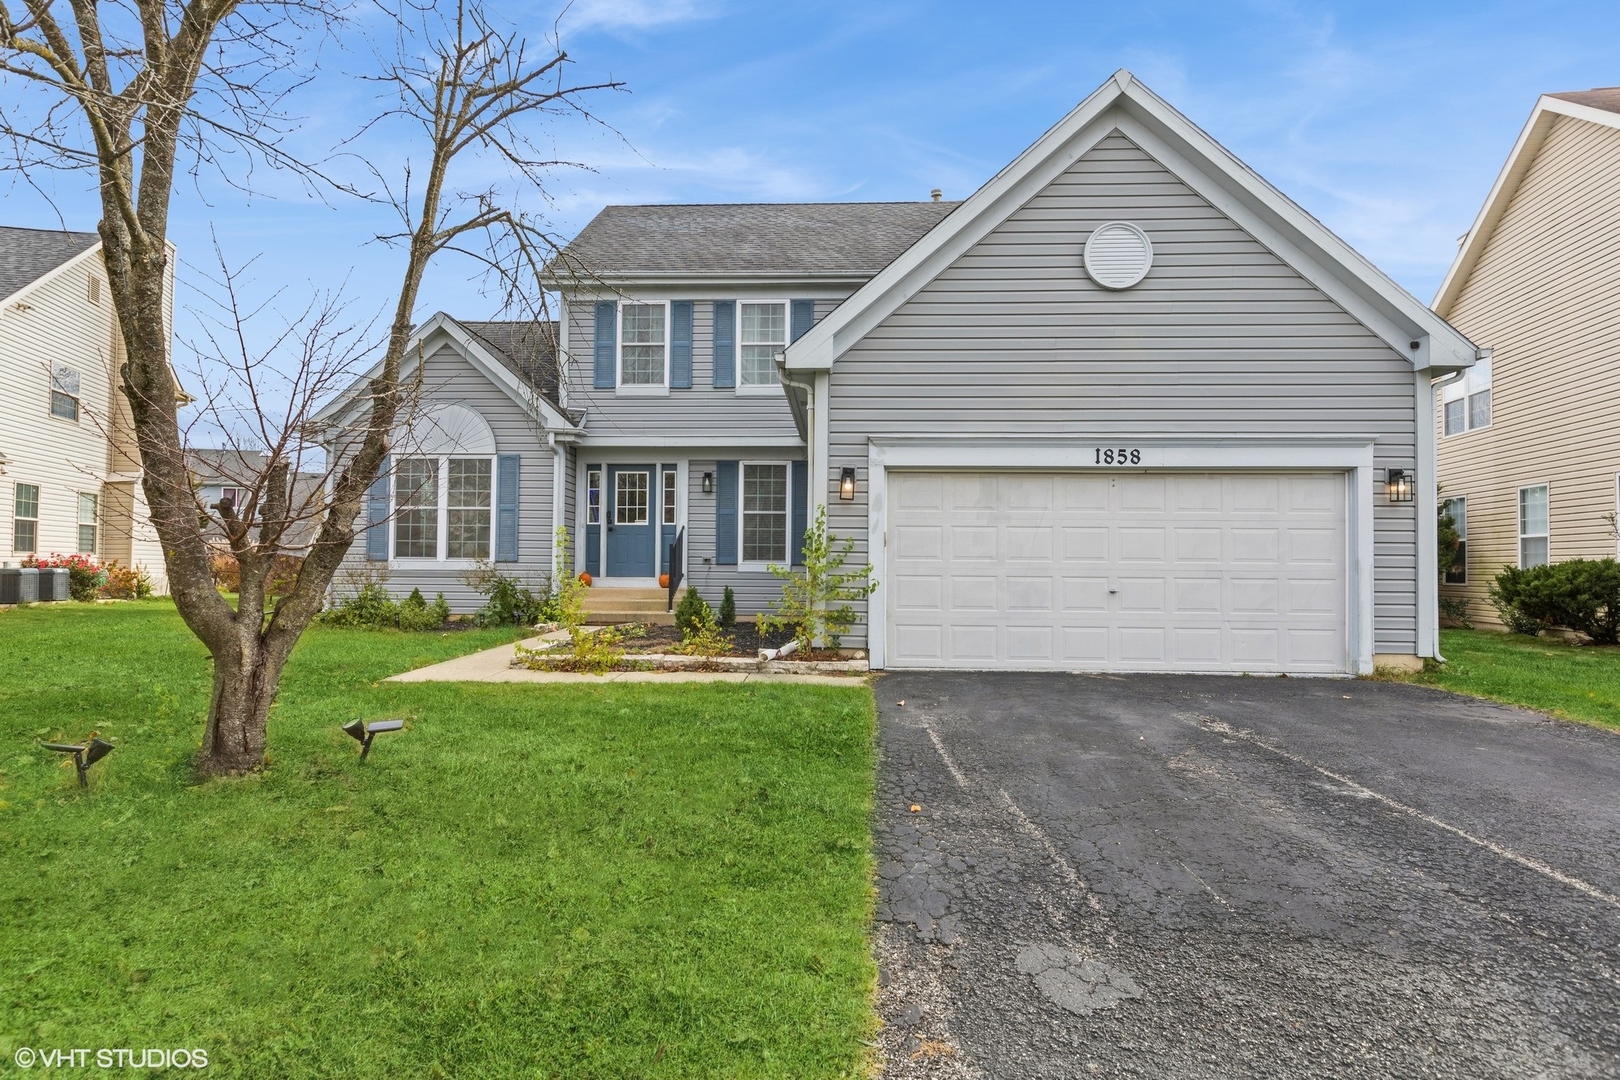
{"x": 746, "y": 640}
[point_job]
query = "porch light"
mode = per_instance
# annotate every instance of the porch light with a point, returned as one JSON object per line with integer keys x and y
{"x": 83, "y": 756}
{"x": 1398, "y": 486}
{"x": 362, "y": 732}
{"x": 708, "y": 483}
{"x": 846, "y": 484}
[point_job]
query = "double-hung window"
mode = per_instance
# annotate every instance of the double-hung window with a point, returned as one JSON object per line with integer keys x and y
{"x": 764, "y": 334}
{"x": 443, "y": 498}
{"x": 1466, "y": 403}
{"x": 1533, "y": 525}
{"x": 1457, "y": 570}
{"x": 87, "y": 523}
{"x": 765, "y": 512}
{"x": 643, "y": 346}
{"x": 25, "y": 518}
{"x": 64, "y": 392}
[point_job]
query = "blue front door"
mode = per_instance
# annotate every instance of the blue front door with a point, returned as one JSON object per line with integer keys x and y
{"x": 631, "y": 532}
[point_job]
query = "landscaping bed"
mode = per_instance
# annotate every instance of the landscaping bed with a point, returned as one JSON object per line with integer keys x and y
{"x": 604, "y": 880}
{"x": 633, "y": 647}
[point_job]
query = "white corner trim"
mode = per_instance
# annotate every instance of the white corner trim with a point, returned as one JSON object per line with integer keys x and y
{"x": 1352, "y": 456}
{"x": 559, "y": 501}
{"x": 1425, "y": 498}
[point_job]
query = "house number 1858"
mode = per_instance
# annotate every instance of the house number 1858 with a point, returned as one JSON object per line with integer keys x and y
{"x": 1119, "y": 457}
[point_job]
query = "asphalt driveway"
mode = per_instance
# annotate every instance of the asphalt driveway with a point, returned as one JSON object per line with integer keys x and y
{"x": 1203, "y": 876}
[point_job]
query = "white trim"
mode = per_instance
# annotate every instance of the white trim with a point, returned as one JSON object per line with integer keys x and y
{"x": 1426, "y": 498}
{"x": 640, "y": 389}
{"x": 1124, "y": 103}
{"x": 559, "y": 501}
{"x": 819, "y": 454}
{"x": 20, "y": 295}
{"x": 1546, "y": 112}
{"x": 1354, "y": 457}
{"x": 607, "y": 443}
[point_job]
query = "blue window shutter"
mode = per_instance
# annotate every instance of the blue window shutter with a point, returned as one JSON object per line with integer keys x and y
{"x": 804, "y": 317}
{"x": 725, "y": 513}
{"x": 680, "y": 344}
{"x": 801, "y": 509}
{"x": 377, "y": 515}
{"x": 506, "y": 506}
{"x": 725, "y": 344}
{"x": 607, "y": 338}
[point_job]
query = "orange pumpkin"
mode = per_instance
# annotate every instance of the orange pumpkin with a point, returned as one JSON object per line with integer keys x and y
{"x": 585, "y": 576}
{"x": 663, "y": 581}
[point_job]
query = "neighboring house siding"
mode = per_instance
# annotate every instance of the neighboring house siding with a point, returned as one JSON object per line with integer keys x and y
{"x": 53, "y": 321}
{"x": 703, "y": 410}
{"x": 1545, "y": 296}
{"x": 448, "y": 377}
{"x": 1222, "y": 337}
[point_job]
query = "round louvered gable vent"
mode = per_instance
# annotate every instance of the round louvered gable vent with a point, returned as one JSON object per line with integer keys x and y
{"x": 1118, "y": 255}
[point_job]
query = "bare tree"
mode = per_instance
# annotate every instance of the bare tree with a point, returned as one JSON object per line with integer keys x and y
{"x": 138, "y": 89}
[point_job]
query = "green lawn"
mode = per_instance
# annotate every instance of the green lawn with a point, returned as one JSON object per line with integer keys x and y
{"x": 588, "y": 881}
{"x": 1576, "y": 682}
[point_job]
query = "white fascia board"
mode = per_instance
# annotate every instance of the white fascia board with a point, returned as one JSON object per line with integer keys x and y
{"x": 679, "y": 442}
{"x": 1500, "y": 197}
{"x": 93, "y": 252}
{"x": 1126, "y": 104}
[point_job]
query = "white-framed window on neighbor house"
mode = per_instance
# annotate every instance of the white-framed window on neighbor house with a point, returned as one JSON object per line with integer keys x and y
{"x": 234, "y": 495}
{"x": 64, "y": 393}
{"x": 1457, "y": 572}
{"x": 444, "y": 508}
{"x": 1533, "y": 525}
{"x": 1466, "y": 403}
{"x": 25, "y": 518}
{"x": 88, "y": 506}
{"x": 643, "y": 345}
{"x": 764, "y": 517}
{"x": 763, "y": 334}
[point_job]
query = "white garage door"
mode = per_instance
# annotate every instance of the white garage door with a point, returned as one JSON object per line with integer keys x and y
{"x": 1129, "y": 572}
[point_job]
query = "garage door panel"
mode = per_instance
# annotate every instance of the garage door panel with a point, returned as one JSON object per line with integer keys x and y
{"x": 1192, "y": 572}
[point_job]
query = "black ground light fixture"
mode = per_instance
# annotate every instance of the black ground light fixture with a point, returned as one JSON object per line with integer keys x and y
{"x": 83, "y": 756}
{"x": 1398, "y": 486}
{"x": 362, "y": 732}
{"x": 846, "y": 484}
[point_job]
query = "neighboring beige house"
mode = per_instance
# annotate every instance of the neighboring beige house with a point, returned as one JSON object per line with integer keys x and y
{"x": 69, "y": 470}
{"x": 1529, "y": 440}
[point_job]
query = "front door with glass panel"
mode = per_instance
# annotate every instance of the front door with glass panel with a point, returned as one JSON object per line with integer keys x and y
{"x": 631, "y": 530}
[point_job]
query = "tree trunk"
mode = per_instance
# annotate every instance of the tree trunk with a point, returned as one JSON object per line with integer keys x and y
{"x": 247, "y": 675}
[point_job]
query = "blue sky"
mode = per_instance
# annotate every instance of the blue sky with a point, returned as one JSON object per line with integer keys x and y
{"x": 1386, "y": 120}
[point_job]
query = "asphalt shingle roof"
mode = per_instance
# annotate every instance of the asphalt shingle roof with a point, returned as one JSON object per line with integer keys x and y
{"x": 781, "y": 239}
{"x": 1599, "y": 97}
{"x": 528, "y": 347}
{"x": 26, "y": 255}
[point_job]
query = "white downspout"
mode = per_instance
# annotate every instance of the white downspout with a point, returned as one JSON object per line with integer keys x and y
{"x": 1428, "y": 531}
{"x": 558, "y": 502}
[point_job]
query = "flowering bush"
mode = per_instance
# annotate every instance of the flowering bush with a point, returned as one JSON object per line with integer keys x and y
{"x": 85, "y": 576}
{"x": 126, "y": 582}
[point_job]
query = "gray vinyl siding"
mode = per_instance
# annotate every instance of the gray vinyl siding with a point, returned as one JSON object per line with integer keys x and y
{"x": 754, "y": 590}
{"x": 449, "y": 377}
{"x": 1222, "y": 337}
{"x": 699, "y": 411}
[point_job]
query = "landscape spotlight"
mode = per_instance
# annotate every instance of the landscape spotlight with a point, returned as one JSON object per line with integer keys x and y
{"x": 362, "y": 732}
{"x": 83, "y": 756}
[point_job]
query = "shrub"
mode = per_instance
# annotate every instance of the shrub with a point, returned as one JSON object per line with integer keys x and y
{"x": 817, "y": 602}
{"x": 227, "y": 574}
{"x": 507, "y": 600}
{"x": 85, "y": 577}
{"x": 372, "y": 608}
{"x": 1581, "y": 594}
{"x": 568, "y": 601}
{"x": 692, "y": 611}
{"x": 127, "y": 583}
{"x": 728, "y": 609}
{"x": 589, "y": 652}
{"x": 415, "y": 613}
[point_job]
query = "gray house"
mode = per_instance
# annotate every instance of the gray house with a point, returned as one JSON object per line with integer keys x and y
{"x": 1125, "y": 408}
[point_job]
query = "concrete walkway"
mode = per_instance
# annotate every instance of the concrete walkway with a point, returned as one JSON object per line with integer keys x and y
{"x": 495, "y": 666}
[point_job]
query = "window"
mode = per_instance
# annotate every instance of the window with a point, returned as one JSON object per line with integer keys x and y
{"x": 764, "y": 334}
{"x": 593, "y": 504}
{"x": 641, "y": 356}
{"x": 25, "y": 518}
{"x": 470, "y": 488}
{"x": 764, "y": 512}
{"x": 630, "y": 498}
{"x": 1457, "y": 572}
{"x": 233, "y": 495}
{"x": 669, "y": 497}
{"x": 1533, "y": 525}
{"x": 1467, "y": 402}
{"x": 87, "y": 524}
{"x": 416, "y": 522}
{"x": 64, "y": 392}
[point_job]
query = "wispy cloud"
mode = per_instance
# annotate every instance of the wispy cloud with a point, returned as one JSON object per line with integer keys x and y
{"x": 624, "y": 15}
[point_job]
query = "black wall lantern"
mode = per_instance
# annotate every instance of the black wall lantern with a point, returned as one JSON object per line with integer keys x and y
{"x": 846, "y": 484}
{"x": 708, "y": 483}
{"x": 1398, "y": 486}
